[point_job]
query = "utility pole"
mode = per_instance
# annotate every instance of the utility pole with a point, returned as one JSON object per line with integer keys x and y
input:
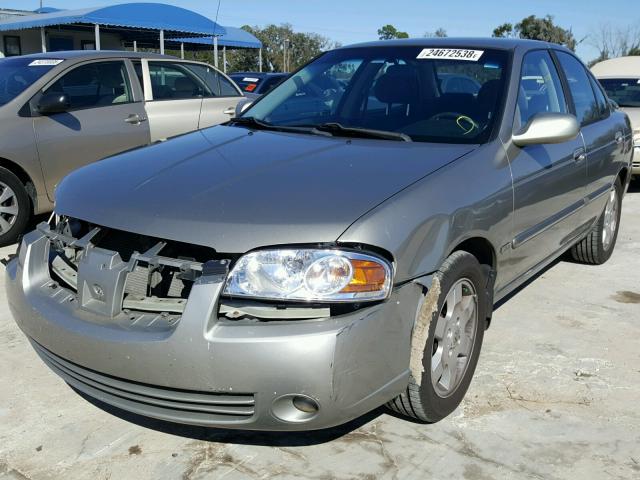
{"x": 284, "y": 55}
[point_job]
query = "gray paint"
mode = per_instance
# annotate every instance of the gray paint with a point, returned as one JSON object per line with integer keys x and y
{"x": 236, "y": 190}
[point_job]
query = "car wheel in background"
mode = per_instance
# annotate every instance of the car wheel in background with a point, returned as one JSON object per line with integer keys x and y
{"x": 15, "y": 207}
{"x": 598, "y": 246}
{"x": 456, "y": 313}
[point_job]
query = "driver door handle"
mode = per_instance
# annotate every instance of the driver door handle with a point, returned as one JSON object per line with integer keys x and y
{"x": 229, "y": 111}
{"x": 579, "y": 155}
{"x": 135, "y": 119}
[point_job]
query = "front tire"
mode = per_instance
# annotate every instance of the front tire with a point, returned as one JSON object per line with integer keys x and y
{"x": 597, "y": 247}
{"x": 15, "y": 207}
{"x": 456, "y": 329}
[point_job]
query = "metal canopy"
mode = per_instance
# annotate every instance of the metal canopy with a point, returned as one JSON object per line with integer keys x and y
{"x": 152, "y": 16}
{"x": 233, "y": 38}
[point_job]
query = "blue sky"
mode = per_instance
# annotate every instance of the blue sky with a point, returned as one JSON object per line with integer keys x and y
{"x": 358, "y": 20}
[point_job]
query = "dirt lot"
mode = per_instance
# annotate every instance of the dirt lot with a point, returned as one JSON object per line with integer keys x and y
{"x": 556, "y": 395}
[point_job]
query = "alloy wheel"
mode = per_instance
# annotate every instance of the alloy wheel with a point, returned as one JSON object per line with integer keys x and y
{"x": 454, "y": 338}
{"x": 8, "y": 208}
{"x": 610, "y": 223}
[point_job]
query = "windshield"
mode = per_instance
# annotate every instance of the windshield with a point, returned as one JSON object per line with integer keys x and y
{"x": 624, "y": 91}
{"x": 16, "y": 74}
{"x": 425, "y": 94}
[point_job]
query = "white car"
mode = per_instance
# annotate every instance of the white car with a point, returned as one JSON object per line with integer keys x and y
{"x": 620, "y": 77}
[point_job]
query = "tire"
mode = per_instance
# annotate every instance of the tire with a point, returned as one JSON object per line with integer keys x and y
{"x": 597, "y": 247}
{"x": 15, "y": 207}
{"x": 430, "y": 401}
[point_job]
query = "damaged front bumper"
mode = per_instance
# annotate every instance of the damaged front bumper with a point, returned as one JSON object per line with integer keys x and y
{"x": 197, "y": 366}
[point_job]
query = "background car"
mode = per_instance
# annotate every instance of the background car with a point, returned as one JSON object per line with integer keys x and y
{"x": 254, "y": 84}
{"x": 620, "y": 77}
{"x": 60, "y": 111}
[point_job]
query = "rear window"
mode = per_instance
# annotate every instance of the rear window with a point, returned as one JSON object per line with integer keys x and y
{"x": 17, "y": 74}
{"x": 624, "y": 91}
{"x": 247, "y": 83}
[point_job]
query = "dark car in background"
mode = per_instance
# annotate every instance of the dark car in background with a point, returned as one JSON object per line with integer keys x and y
{"x": 324, "y": 254}
{"x": 257, "y": 83}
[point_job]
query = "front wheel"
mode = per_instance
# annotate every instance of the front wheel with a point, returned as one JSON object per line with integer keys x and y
{"x": 598, "y": 246}
{"x": 448, "y": 335}
{"x": 15, "y": 207}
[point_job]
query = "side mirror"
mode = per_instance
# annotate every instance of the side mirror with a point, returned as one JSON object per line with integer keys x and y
{"x": 547, "y": 128}
{"x": 51, "y": 103}
{"x": 242, "y": 106}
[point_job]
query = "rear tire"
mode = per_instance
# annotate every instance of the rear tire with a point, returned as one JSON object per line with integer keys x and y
{"x": 452, "y": 330}
{"x": 15, "y": 207}
{"x": 597, "y": 247}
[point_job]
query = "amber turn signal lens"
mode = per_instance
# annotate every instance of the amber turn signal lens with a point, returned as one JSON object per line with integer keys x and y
{"x": 367, "y": 277}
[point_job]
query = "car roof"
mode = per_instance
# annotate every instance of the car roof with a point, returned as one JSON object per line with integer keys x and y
{"x": 259, "y": 74}
{"x": 617, "y": 67}
{"x": 461, "y": 42}
{"x": 97, "y": 54}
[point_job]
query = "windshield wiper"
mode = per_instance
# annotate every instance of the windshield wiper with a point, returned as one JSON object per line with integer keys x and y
{"x": 338, "y": 129}
{"x": 254, "y": 123}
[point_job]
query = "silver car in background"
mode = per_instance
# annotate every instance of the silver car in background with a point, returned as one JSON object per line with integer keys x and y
{"x": 620, "y": 77}
{"x": 339, "y": 246}
{"x": 62, "y": 110}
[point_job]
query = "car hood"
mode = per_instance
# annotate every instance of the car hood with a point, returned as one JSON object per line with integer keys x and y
{"x": 235, "y": 190}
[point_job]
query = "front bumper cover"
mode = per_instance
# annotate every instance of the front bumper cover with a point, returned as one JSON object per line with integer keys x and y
{"x": 209, "y": 371}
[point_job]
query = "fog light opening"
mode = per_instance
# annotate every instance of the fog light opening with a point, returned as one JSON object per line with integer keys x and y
{"x": 305, "y": 404}
{"x": 295, "y": 408}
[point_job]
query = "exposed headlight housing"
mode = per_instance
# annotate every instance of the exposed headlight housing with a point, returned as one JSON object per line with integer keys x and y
{"x": 310, "y": 275}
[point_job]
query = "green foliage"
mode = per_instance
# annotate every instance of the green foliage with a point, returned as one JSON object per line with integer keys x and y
{"x": 389, "y": 32}
{"x": 634, "y": 52}
{"x": 538, "y": 28}
{"x": 439, "y": 33}
{"x": 301, "y": 47}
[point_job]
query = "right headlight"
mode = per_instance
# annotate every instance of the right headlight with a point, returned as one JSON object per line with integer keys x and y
{"x": 310, "y": 275}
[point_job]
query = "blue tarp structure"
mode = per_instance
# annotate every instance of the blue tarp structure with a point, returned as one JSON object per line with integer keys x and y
{"x": 233, "y": 38}
{"x": 151, "y": 16}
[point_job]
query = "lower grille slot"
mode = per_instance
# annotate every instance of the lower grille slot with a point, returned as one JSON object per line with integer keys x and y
{"x": 165, "y": 403}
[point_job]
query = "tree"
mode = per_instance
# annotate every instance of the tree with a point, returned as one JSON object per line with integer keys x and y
{"x": 615, "y": 42}
{"x": 439, "y": 33}
{"x": 537, "y": 28}
{"x": 389, "y": 32}
{"x": 301, "y": 47}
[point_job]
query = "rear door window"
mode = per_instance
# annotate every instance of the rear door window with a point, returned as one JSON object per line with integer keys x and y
{"x": 97, "y": 84}
{"x": 584, "y": 99}
{"x": 175, "y": 81}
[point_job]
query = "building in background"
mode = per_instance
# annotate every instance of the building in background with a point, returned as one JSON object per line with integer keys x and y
{"x": 117, "y": 27}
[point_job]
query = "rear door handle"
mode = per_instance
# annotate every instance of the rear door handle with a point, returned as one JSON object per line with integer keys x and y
{"x": 579, "y": 155}
{"x": 135, "y": 119}
{"x": 229, "y": 111}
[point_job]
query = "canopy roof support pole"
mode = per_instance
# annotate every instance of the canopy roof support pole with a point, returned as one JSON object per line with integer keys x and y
{"x": 43, "y": 40}
{"x": 224, "y": 59}
{"x": 182, "y": 50}
{"x": 215, "y": 52}
{"x": 260, "y": 59}
{"x": 161, "y": 42}
{"x": 135, "y": 45}
{"x": 97, "y": 31}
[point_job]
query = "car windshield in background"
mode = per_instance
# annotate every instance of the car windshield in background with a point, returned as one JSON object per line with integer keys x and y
{"x": 624, "y": 91}
{"x": 16, "y": 74}
{"x": 422, "y": 94}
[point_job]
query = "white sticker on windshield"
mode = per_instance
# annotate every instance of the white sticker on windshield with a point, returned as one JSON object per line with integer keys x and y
{"x": 250, "y": 79}
{"x": 45, "y": 63}
{"x": 450, "y": 54}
